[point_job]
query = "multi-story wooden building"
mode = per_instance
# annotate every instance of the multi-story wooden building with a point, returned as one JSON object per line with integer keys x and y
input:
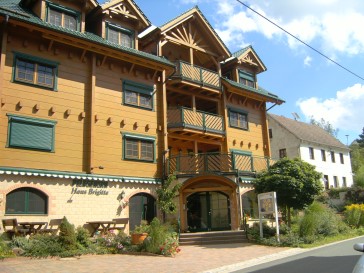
{"x": 98, "y": 107}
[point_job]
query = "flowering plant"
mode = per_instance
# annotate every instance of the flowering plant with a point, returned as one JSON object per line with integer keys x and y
{"x": 170, "y": 247}
{"x": 113, "y": 242}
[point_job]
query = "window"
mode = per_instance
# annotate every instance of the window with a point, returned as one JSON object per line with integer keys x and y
{"x": 119, "y": 35}
{"x": 326, "y": 181}
{"x": 35, "y": 71}
{"x": 238, "y": 119}
{"x": 26, "y": 201}
{"x": 246, "y": 78}
{"x": 62, "y": 16}
{"x": 270, "y": 131}
{"x": 31, "y": 133}
{"x": 311, "y": 152}
{"x": 323, "y": 155}
{"x": 139, "y": 95}
{"x": 139, "y": 147}
{"x": 332, "y": 157}
{"x": 341, "y": 158}
{"x": 282, "y": 153}
{"x": 336, "y": 182}
{"x": 344, "y": 182}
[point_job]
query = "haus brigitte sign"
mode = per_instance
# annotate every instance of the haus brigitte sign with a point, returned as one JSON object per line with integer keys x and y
{"x": 87, "y": 187}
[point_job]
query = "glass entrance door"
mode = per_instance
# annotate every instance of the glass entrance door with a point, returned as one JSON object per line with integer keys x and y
{"x": 207, "y": 211}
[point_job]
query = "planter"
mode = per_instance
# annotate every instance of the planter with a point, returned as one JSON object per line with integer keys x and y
{"x": 138, "y": 238}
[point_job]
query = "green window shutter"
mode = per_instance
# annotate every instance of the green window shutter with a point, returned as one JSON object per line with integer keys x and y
{"x": 137, "y": 87}
{"x": 246, "y": 75}
{"x": 31, "y": 133}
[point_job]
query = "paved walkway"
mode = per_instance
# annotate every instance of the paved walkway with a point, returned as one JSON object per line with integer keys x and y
{"x": 191, "y": 259}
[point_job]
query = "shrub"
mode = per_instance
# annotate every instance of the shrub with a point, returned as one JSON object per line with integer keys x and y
{"x": 67, "y": 235}
{"x": 354, "y": 215}
{"x": 157, "y": 236}
{"x": 42, "y": 245}
{"x": 319, "y": 220}
{"x": 83, "y": 237}
{"x": 113, "y": 243}
{"x": 5, "y": 250}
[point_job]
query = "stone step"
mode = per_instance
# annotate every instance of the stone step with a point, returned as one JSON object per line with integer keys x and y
{"x": 217, "y": 237}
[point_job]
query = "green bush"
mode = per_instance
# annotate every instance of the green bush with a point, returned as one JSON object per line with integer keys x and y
{"x": 83, "y": 237}
{"x": 42, "y": 245}
{"x": 157, "y": 236}
{"x": 318, "y": 220}
{"x": 67, "y": 235}
{"x": 5, "y": 250}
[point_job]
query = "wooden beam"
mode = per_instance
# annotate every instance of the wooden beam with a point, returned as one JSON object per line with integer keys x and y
{"x": 191, "y": 46}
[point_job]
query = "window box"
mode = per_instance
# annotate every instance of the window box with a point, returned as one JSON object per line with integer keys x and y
{"x": 31, "y": 133}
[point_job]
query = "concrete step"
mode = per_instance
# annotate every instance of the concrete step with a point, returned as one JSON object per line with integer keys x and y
{"x": 215, "y": 237}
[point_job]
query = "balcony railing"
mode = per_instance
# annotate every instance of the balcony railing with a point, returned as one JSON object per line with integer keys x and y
{"x": 198, "y": 74}
{"x": 187, "y": 118}
{"x": 217, "y": 163}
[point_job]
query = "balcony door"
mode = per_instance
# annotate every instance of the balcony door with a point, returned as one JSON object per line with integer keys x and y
{"x": 208, "y": 211}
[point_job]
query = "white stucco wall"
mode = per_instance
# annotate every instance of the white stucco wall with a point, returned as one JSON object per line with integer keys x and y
{"x": 328, "y": 167}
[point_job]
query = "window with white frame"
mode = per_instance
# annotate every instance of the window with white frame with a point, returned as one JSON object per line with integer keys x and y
{"x": 332, "y": 153}
{"x": 311, "y": 153}
{"x": 341, "y": 158}
{"x": 323, "y": 155}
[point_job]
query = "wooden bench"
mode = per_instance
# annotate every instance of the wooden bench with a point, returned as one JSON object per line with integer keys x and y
{"x": 120, "y": 224}
{"x": 12, "y": 228}
{"x": 52, "y": 227}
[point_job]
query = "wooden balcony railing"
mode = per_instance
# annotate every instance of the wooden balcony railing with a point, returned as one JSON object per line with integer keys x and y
{"x": 198, "y": 74}
{"x": 216, "y": 163}
{"x": 187, "y": 118}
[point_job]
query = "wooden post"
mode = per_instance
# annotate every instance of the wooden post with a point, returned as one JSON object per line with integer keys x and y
{"x": 92, "y": 112}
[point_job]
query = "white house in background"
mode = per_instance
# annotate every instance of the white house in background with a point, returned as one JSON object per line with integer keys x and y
{"x": 291, "y": 138}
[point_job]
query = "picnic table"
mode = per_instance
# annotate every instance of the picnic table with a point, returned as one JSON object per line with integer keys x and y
{"x": 33, "y": 227}
{"x": 102, "y": 226}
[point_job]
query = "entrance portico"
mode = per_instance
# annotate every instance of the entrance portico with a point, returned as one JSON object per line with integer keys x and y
{"x": 208, "y": 203}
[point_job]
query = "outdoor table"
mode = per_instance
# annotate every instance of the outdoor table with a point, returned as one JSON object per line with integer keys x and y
{"x": 103, "y": 226}
{"x": 33, "y": 227}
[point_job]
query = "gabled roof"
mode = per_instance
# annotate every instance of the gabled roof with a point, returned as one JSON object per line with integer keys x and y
{"x": 249, "y": 56}
{"x": 308, "y": 132}
{"x": 196, "y": 13}
{"x": 127, "y": 8}
{"x": 270, "y": 97}
{"x": 12, "y": 9}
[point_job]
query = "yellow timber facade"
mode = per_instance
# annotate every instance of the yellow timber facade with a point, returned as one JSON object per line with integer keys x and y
{"x": 98, "y": 108}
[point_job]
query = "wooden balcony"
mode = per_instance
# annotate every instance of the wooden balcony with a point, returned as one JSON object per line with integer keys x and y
{"x": 217, "y": 163}
{"x": 183, "y": 118}
{"x": 197, "y": 77}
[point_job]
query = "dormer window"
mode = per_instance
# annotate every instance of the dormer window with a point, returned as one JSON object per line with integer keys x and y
{"x": 119, "y": 35}
{"x": 246, "y": 78}
{"x": 63, "y": 17}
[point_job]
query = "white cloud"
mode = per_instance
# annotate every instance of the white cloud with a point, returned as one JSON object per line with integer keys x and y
{"x": 307, "y": 61}
{"x": 343, "y": 112}
{"x": 330, "y": 25}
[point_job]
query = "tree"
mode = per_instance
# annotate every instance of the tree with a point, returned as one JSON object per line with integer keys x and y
{"x": 360, "y": 140}
{"x": 166, "y": 195}
{"x": 326, "y": 125}
{"x": 295, "y": 182}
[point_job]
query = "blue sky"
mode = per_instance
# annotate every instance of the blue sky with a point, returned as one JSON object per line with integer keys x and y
{"x": 311, "y": 85}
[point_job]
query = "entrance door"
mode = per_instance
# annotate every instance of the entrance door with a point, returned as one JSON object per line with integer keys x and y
{"x": 141, "y": 207}
{"x": 207, "y": 211}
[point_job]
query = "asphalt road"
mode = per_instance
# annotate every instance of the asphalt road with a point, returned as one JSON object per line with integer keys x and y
{"x": 334, "y": 258}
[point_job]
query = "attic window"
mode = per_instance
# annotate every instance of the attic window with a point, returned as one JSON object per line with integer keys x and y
{"x": 63, "y": 17}
{"x": 119, "y": 35}
{"x": 246, "y": 78}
